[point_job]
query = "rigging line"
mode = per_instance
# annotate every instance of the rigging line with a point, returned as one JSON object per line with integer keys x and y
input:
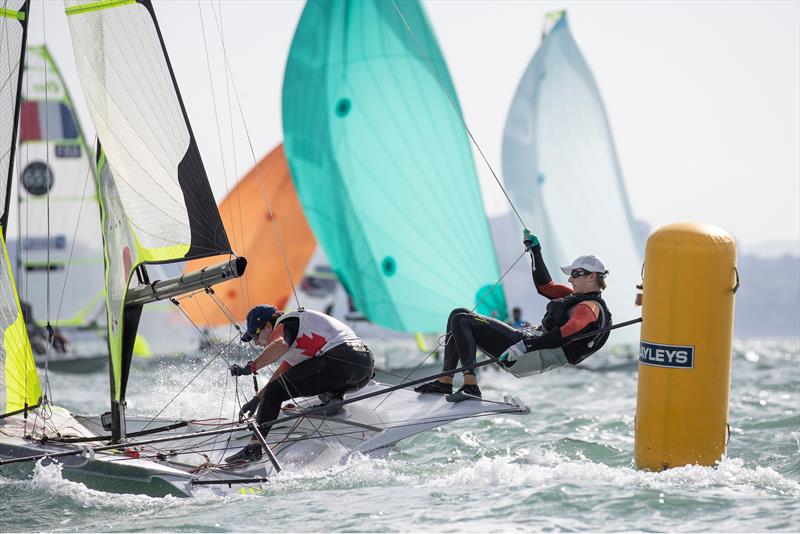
{"x": 49, "y": 343}
{"x": 219, "y": 130}
{"x": 261, "y": 175}
{"x": 448, "y": 335}
{"x": 323, "y": 421}
{"x": 235, "y": 159}
{"x": 189, "y": 383}
{"x": 75, "y": 233}
{"x": 455, "y": 108}
{"x": 205, "y": 336}
{"x": 225, "y": 310}
{"x": 222, "y": 405}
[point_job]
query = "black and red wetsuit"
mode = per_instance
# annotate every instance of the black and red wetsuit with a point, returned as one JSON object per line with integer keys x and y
{"x": 567, "y": 314}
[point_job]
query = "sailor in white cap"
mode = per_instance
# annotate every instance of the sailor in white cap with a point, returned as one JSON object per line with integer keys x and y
{"x": 571, "y": 313}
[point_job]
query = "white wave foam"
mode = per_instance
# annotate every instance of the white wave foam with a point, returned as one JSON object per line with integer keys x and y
{"x": 50, "y": 479}
{"x": 553, "y": 468}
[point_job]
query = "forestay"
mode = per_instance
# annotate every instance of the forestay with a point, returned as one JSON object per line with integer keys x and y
{"x": 156, "y": 201}
{"x": 19, "y": 383}
{"x": 562, "y": 173}
{"x": 382, "y": 164}
{"x": 58, "y": 212}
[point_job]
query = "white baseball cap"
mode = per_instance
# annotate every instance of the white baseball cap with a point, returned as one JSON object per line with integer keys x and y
{"x": 590, "y": 263}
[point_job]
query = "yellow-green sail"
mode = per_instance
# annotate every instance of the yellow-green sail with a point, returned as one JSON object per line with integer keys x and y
{"x": 19, "y": 383}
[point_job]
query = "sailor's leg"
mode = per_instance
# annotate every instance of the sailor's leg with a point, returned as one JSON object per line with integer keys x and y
{"x": 354, "y": 363}
{"x": 451, "y": 353}
{"x": 490, "y": 335}
{"x": 305, "y": 379}
{"x": 444, "y": 384}
{"x": 494, "y": 337}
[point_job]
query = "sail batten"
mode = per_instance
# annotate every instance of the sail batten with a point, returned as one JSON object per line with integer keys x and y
{"x": 382, "y": 164}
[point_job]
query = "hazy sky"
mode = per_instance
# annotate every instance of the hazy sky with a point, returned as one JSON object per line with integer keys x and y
{"x": 703, "y": 97}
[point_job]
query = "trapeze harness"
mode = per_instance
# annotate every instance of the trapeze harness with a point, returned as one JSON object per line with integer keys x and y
{"x": 543, "y": 348}
{"x": 557, "y": 316}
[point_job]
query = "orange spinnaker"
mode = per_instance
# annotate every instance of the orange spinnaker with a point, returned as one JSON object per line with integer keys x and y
{"x": 252, "y": 234}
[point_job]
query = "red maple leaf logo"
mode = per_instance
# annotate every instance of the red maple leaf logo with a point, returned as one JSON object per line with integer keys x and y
{"x": 310, "y": 345}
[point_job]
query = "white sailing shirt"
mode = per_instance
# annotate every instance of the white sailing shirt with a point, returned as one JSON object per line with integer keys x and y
{"x": 317, "y": 334}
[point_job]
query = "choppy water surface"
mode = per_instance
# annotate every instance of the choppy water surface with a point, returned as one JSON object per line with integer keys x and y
{"x": 565, "y": 466}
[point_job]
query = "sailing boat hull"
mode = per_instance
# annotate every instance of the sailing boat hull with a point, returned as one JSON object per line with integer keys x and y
{"x": 179, "y": 467}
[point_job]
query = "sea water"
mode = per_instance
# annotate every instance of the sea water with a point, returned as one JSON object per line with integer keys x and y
{"x": 565, "y": 466}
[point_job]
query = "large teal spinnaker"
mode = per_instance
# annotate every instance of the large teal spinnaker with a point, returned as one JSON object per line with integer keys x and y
{"x": 383, "y": 167}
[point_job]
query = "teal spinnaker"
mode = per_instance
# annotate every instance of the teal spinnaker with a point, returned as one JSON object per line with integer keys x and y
{"x": 381, "y": 161}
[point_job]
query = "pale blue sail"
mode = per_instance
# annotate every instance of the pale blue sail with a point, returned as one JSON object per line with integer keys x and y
{"x": 561, "y": 170}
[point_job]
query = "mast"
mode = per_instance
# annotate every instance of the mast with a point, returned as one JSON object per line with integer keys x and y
{"x": 20, "y": 389}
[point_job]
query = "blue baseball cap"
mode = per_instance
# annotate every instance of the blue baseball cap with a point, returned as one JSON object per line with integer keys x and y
{"x": 257, "y": 318}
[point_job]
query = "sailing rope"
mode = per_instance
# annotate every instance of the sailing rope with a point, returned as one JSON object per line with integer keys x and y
{"x": 242, "y": 283}
{"x": 270, "y": 212}
{"x": 435, "y": 73}
{"x": 447, "y": 336}
{"x": 48, "y": 394}
{"x": 187, "y": 384}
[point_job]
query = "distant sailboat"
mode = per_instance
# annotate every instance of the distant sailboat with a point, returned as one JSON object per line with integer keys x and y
{"x": 383, "y": 166}
{"x": 57, "y": 251}
{"x": 562, "y": 173}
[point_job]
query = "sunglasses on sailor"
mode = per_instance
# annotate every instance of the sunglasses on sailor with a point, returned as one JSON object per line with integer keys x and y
{"x": 577, "y": 273}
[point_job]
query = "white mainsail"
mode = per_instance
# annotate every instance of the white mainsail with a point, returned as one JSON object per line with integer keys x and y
{"x": 156, "y": 201}
{"x": 19, "y": 383}
{"x": 562, "y": 172}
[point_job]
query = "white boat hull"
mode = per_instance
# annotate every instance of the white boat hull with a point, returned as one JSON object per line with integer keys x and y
{"x": 178, "y": 467}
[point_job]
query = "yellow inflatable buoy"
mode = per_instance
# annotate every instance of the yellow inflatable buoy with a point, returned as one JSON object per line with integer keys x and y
{"x": 686, "y": 346}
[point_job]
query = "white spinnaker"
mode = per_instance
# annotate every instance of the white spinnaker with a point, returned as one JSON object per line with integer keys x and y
{"x": 562, "y": 173}
{"x": 53, "y": 160}
{"x": 19, "y": 383}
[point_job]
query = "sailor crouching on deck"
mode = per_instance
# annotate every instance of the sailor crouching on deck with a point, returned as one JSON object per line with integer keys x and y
{"x": 575, "y": 310}
{"x": 320, "y": 355}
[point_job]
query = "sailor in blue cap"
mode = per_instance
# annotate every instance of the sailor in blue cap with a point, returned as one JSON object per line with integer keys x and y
{"x": 319, "y": 355}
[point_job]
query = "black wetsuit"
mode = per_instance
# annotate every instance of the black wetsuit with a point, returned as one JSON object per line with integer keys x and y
{"x": 469, "y": 331}
{"x": 348, "y": 366}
